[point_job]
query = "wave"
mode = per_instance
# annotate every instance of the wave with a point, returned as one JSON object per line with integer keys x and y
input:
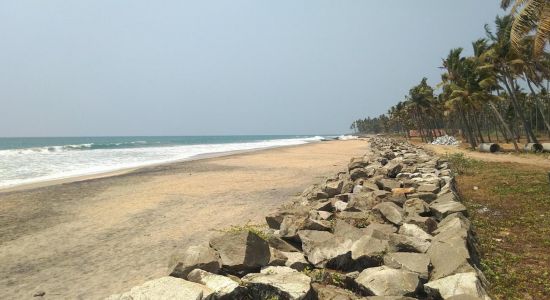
{"x": 76, "y": 147}
{"x": 22, "y": 166}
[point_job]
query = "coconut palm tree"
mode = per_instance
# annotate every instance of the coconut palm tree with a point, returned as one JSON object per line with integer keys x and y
{"x": 507, "y": 64}
{"x": 529, "y": 15}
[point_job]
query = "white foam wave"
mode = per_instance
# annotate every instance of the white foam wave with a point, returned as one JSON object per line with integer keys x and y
{"x": 23, "y": 166}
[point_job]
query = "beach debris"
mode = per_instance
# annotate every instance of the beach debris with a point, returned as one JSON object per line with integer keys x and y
{"x": 391, "y": 226}
{"x": 446, "y": 140}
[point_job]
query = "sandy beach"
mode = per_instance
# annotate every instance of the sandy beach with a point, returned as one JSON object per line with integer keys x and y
{"x": 91, "y": 238}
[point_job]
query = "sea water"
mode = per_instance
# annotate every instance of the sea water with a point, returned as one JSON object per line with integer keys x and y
{"x": 30, "y": 160}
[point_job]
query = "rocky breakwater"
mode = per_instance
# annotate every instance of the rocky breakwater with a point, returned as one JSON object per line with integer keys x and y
{"x": 390, "y": 227}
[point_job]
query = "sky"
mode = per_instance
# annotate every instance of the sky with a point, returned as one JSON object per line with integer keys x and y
{"x": 137, "y": 67}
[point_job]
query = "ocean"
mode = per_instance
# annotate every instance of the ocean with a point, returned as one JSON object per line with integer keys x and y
{"x": 30, "y": 160}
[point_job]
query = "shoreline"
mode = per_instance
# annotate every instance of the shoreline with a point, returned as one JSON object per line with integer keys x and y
{"x": 123, "y": 171}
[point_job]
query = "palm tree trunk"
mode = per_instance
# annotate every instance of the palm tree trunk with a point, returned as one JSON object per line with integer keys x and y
{"x": 519, "y": 111}
{"x": 539, "y": 106}
{"x": 503, "y": 122}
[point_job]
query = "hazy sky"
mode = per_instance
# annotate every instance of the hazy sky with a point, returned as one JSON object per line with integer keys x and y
{"x": 111, "y": 67}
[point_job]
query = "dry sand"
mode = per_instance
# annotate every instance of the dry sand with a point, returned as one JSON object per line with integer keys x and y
{"x": 91, "y": 238}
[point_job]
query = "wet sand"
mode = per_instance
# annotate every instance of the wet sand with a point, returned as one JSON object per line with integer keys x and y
{"x": 92, "y": 238}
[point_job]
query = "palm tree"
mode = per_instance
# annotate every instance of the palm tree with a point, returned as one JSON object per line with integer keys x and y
{"x": 529, "y": 15}
{"x": 507, "y": 64}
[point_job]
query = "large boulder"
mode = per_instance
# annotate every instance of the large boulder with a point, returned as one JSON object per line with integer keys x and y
{"x": 327, "y": 251}
{"x": 446, "y": 205}
{"x": 165, "y": 288}
{"x": 390, "y": 211}
{"x": 221, "y": 286}
{"x": 278, "y": 283}
{"x": 386, "y": 281}
{"x": 241, "y": 252}
{"x": 369, "y": 250}
{"x": 194, "y": 257}
{"x": 449, "y": 254}
{"x": 414, "y": 262}
{"x": 455, "y": 285}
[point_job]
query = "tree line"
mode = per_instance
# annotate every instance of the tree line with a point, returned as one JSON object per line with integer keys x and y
{"x": 498, "y": 93}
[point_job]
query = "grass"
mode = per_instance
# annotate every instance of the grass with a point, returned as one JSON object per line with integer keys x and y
{"x": 510, "y": 209}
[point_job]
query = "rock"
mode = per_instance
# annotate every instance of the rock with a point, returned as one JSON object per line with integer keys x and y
{"x": 393, "y": 168}
{"x": 165, "y": 288}
{"x": 388, "y": 184}
{"x": 309, "y": 238}
{"x": 428, "y": 197}
{"x": 323, "y": 206}
{"x": 458, "y": 284}
{"x": 369, "y": 250}
{"x": 325, "y": 215}
{"x": 280, "y": 282}
{"x": 385, "y": 281}
{"x": 428, "y": 224}
{"x": 363, "y": 201}
{"x": 222, "y": 287}
{"x": 414, "y": 262}
{"x": 415, "y": 206}
{"x": 345, "y": 230}
{"x": 385, "y": 229}
{"x": 408, "y": 243}
{"x": 279, "y": 244}
{"x": 274, "y": 220}
{"x": 359, "y": 173}
{"x": 295, "y": 260}
{"x": 317, "y": 225}
{"x": 333, "y": 187}
{"x": 277, "y": 258}
{"x": 403, "y": 191}
{"x": 446, "y": 205}
{"x": 453, "y": 222}
{"x": 360, "y": 218}
{"x": 290, "y": 226}
{"x": 414, "y": 231}
{"x": 334, "y": 253}
{"x": 449, "y": 254}
{"x": 241, "y": 252}
{"x": 390, "y": 212}
{"x": 428, "y": 188}
{"x": 329, "y": 292}
{"x": 194, "y": 257}
{"x": 389, "y": 298}
{"x": 357, "y": 162}
{"x": 340, "y": 205}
